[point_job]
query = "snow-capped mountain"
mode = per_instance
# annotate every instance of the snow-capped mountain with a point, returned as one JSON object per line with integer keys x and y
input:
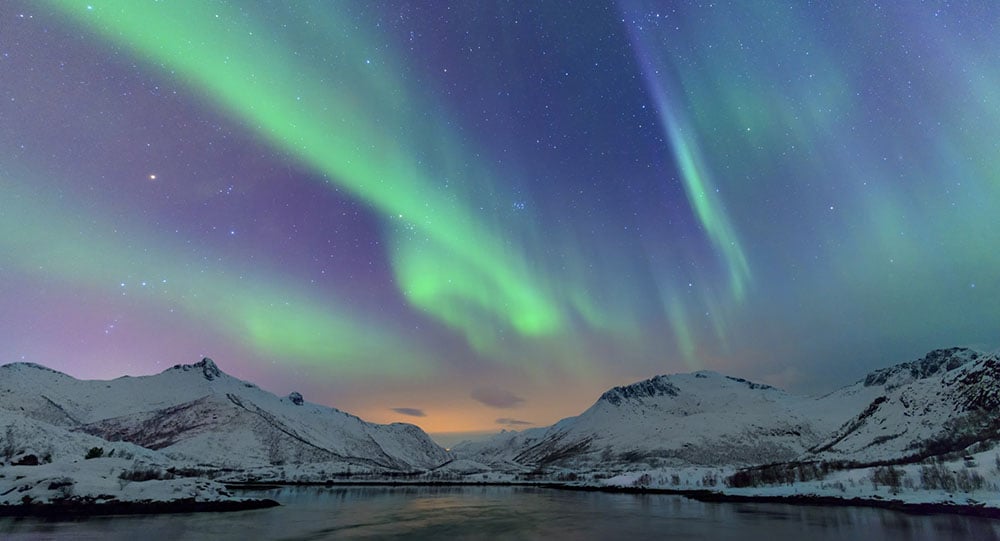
{"x": 196, "y": 413}
{"x": 700, "y": 418}
{"x": 706, "y": 418}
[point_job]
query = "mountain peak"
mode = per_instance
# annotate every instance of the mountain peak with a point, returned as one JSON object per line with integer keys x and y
{"x": 935, "y": 362}
{"x": 655, "y": 386}
{"x": 207, "y": 367}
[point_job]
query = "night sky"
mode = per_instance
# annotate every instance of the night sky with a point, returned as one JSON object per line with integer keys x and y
{"x": 480, "y": 215}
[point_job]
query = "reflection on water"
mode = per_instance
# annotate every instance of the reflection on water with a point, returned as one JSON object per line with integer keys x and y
{"x": 508, "y": 513}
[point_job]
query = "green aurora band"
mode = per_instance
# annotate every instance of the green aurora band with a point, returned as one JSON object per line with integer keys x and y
{"x": 450, "y": 255}
{"x": 44, "y": 236}
{"x": 849, "y": 190}
{"x": 448, "y": 262}
{"x": 889, "y": 158}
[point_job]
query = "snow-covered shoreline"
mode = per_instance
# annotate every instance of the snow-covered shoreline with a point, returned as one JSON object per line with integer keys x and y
{"x": 923, "y": 487}
{"x": 949, "y": 504}
{"x": 102, "y": 487}
{"x": 968, "y": 486}
{"x": 85, "y": 508}
{"x": 849, "y": 487}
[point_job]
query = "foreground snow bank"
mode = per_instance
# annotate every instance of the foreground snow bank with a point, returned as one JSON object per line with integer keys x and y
{"x": 110, "y": 486}
{"x": 916, "y": 486}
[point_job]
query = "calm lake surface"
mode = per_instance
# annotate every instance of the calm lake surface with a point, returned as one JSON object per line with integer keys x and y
{"x": 508, "y": 513}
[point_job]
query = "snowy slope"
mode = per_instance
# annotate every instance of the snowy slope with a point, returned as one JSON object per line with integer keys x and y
{"x": 708, "y": 419}
{"x": 197, "y": 413}
{"x": 941, "y": 403}
{"x": 701, "y": 418}
{"x": 22, "y": 438}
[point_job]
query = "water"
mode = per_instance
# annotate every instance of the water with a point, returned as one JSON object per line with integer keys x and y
{"x": 508, "y": 513}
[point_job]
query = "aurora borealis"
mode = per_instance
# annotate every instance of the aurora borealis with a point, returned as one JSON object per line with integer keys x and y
{"x": 402, "y": 207}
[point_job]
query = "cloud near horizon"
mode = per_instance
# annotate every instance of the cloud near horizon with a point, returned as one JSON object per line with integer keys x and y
{"x": 412, "y": 412}
{"x": 496, "y": 398}
{"x": 507, "y": 421}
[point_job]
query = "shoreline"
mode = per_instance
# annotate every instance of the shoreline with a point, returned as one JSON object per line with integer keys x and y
{"x": 712, "y": 496}
{"x": 66, "y": 509}
{"x": 86, "y": 508}
{"x": 701, "y": 495}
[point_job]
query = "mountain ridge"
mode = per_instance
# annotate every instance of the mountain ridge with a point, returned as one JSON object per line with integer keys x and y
{"x": 198, "y": 413}
{"x": 706, "y": 418}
